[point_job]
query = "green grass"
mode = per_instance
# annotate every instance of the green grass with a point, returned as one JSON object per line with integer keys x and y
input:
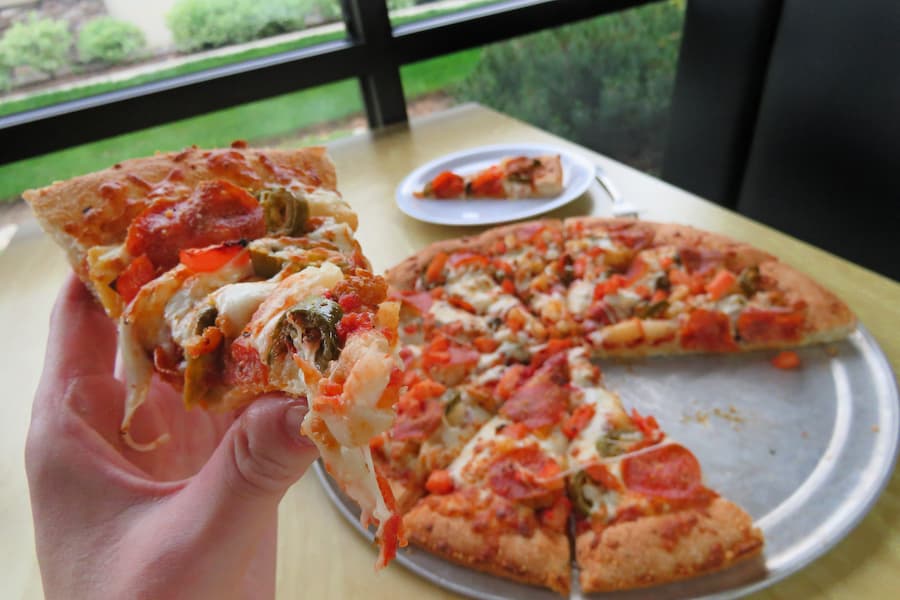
{"x": 255, "y": 121}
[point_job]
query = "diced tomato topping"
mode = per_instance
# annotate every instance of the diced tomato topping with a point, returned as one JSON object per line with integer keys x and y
{"x": 525, "y": 474}
{"x": 460, "y": 303}
{"x": 658, "y": 296}
{"x": 648, "y": 426}
{"x": 213, "y": 258}
{"x": 435, "y": 271}
{"x": 448, "y": 185}
{"x": 578, "y": 420}
{"x": 643, "y": 291}
{"x": 764, "y": 326}
{"x": 669, "y": 471}
{"x": 508, "y": 286}
{"x": 459, "y": 260}
{"x": 439, "y": 482}
{"x": 391, "y": 538}
{"x": 216, "y": 213}
{"x": 354, "y": 322}
{"x": 330, "y": 388}
{"x": 721, "y": 284}
{"x": 350, "y": 302}
{"x": 554, "y": 346}
{"x": 489, "y": 183}
{"x": 133, "y": 278}
{"x": 544, "y": 398}
{"x": 787, "y": 359}
{"x": 609, "y": 286}
{"x": 485, "y": 344}
{"x": 707, "y": 331}
{"x": 509, "y": 381}
{"x": 516, "y": 431}
{"x": 556, "y": 516}
{"x": 679, "y": 277}
{"x": 601, "y": 474}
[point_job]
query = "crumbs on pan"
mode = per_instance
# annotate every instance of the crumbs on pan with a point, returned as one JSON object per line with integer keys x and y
{"x": 702, "y": 417}
{"x": 875, "y": 428}
{"x": 804, "y": 435}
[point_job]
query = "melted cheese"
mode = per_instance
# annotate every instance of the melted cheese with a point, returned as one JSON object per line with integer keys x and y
{"x": 580, "y": 296}
{"x": 445, "y": 313}
{"x": 236, "y": 304}
{"x": 583, "y": 448}
{"x": 478, "y": 289}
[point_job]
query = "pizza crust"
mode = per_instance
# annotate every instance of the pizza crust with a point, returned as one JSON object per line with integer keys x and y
{"x": 96, "y": 209}
{"x": 540, "y": 559}
{"x": 665, "y": 548}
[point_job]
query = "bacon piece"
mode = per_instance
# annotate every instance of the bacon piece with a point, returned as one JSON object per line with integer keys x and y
{"x": 766, "y": 326}
{"x": 544, "y": 398}
{"x": 708, "y": 331}
{"x": 526, "y": 474}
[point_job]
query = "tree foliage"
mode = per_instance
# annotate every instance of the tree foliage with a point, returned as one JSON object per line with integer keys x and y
{"x": 110, "y": 40}
{"x": 42, "y": 44}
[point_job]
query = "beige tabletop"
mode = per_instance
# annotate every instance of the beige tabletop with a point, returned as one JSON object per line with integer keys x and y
{"x": 319, "y": 554}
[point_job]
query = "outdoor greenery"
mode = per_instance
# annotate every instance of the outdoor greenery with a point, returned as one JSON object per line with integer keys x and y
{"x": 604, "y": 83}
{"x": 110, "y": 41}
{"x": 42, "y": 44}
{"x": 201, "y": 24}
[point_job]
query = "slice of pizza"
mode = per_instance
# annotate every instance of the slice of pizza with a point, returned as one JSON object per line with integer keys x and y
{"x": 512, "y": 177}
{"x": 643, "y": 516}
{"x": 500, "y": 506}
{"x": 643, "y": 288}
{"x": 234, "y": 273}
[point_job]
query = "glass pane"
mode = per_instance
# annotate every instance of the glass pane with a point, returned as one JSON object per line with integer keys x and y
{"x": 300, "y": 118}
{"x": 52, "y": 52}
{"x": 402, "y": 12}
{"x": 605, "y": 83}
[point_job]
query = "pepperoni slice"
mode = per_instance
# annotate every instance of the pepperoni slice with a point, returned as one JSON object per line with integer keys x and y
{"x": 544, "y": 398}
{"x": 525, "y": 474}
{"x": 669, "y": 471}
{"x": 243, "y": 365}
{"x": 766, "y": 326}
{"x": 708, "y": 331}
{"x": 700, "y": 261}
{"x": 489, "y": 183}
{"x": 217, "y": 212}
{"x": 419, "y": 412}
{"x": 448, "y": 185}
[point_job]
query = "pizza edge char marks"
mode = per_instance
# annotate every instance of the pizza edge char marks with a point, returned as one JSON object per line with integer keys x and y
{"x": 235, "y": 272}
{"x": 512, "y": 177}
{"x": 506, "y": 431}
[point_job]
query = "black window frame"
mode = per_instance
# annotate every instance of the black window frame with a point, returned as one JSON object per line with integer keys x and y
{"x": 373, "y": 53}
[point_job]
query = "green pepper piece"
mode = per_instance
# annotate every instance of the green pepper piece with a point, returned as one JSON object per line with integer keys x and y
{"x": 266, "y": 263}
{"x": 648, "y": 311}
{"x": 314, "y": 320}
{"x": 576, "y": 493}
{"x": 611, "y": 444}
{"x": 285, "y": 212}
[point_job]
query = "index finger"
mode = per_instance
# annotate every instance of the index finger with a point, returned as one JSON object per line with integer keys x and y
{"x": 82, "y": 338}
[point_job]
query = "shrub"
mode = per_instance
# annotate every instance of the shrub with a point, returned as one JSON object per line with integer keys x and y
{"x": 605, "y": 83}
{"x": 200, "y": 24}
{"x": 42, "y": 44}
{"x": 110, "y": 40}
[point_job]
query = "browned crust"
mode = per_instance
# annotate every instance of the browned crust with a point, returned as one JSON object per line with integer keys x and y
{"x": 540, "y": 559}
{"x": 80, "y": 215}
{"x": 665, "y": 548}
{"x": 404, "y": 275}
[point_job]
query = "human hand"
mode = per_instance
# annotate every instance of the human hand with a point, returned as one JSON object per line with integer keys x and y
{"x": 195, "y": 518}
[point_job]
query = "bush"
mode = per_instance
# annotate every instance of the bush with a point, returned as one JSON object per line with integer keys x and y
{"x": 42, "y": 44}
{"x": 110, "y": 40}
{"x": 605, "y": 83}
{"x": 200, "y": 24}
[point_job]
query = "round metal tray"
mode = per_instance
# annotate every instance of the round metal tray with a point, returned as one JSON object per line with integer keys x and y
{"x": 805, "y": 452}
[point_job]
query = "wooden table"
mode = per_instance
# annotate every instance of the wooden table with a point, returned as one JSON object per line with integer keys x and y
{"x": 320, "y": 555}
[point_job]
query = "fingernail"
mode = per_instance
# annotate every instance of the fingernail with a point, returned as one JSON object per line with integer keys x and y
{"x": 293, "y": 418}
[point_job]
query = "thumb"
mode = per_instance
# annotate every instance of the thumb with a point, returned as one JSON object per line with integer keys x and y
{"x": 261, "y": 455}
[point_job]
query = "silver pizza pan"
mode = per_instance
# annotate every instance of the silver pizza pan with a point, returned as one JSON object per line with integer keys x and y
{"x": 806, "y": 452}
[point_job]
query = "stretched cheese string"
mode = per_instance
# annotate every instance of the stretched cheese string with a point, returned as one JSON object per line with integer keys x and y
{"x": 581, "y": 466}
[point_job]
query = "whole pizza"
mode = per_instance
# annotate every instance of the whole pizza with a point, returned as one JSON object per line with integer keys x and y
{"x": 459, "y": 399}
{"x": 507, "y": 443}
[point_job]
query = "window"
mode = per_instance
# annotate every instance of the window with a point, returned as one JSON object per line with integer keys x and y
{"x": 605, "y": 83}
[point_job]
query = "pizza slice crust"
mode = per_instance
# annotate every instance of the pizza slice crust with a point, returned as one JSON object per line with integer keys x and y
{"x": 96, "y": 209}
{"x": 541, "y": 559}
{"x": 665, "y": 548}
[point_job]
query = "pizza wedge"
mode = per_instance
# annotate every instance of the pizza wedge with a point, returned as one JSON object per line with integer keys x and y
{"x": 512, "y": 177}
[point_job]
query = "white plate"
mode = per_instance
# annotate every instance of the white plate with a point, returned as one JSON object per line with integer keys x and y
{"x": 578, "y": 173}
